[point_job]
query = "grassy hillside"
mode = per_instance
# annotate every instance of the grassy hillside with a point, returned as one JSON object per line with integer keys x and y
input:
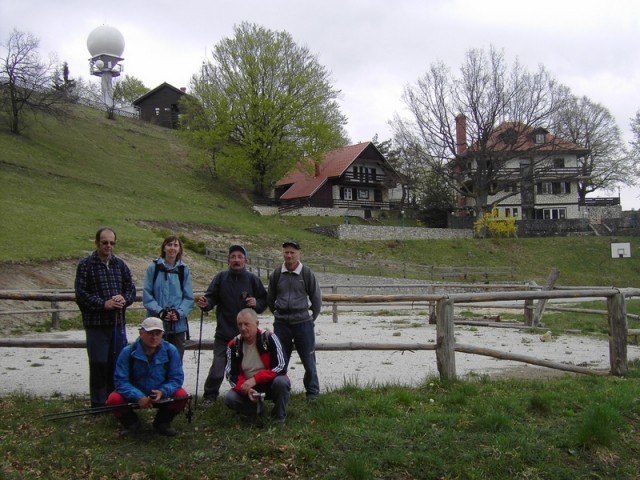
{"x": 61, "y": 181}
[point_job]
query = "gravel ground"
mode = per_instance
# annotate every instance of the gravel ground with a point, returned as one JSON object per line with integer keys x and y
{"x": 48, "y": 371}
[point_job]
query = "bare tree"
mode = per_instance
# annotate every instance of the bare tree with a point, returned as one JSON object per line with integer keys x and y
{"x": 27, "y": 81}
{"x": 491, "y": 95}
{"x": 635, "y": 142}
{"x": 608, "y": 164}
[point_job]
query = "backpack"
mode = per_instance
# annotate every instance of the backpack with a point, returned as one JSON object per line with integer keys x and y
{"x": 161, "y": 268}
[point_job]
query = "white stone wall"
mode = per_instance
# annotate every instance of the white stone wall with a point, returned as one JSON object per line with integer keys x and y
{"x": 365, "y": 232}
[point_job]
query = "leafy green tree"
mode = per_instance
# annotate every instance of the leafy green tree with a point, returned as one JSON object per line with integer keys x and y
{"x": 265, "y": 103}
{"x": 128, "y": 89}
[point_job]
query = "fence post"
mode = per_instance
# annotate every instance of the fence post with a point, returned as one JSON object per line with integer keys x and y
{"x": 55, "y": 315}
{"x": 334, "y": 289}
{"x": 551, "y": 281}
{"x": 445, "y": 341}
{"x": 432, "y": 306}
{"x": 618, "y": 330}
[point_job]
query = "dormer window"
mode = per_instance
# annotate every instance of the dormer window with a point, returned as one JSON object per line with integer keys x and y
{"x": 539, "y": 138}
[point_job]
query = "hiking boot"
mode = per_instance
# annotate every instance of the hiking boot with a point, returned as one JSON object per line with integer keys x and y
{"x": 130, "y": 430}
{"x": 165, "y": 429}
{"x": 207, "y": 402}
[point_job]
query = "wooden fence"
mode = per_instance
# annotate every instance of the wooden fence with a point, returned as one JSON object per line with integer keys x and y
{"x": 445, "y": 346}
{"x": 263, "y": 266}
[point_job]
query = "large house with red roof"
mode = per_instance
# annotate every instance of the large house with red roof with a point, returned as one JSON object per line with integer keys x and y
{"x": 354, "y": 180}
{"x": 538, "y": 172}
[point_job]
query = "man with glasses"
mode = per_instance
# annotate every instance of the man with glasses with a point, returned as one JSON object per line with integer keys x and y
{"x": 104, "y": 289}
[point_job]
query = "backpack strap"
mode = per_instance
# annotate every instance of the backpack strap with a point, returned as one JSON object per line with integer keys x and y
{"x": 159, "y": 267}
{"x": 305, "y": 274}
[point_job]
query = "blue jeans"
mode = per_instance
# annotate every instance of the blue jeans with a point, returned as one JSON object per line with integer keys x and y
{"x": 303, "y": 336}
{"x": 278, "y": 390}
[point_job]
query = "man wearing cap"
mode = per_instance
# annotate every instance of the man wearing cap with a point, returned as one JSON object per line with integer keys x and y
{"x": 230, "y": 291}
{"x": 295, "y": 300}
{"x": 147, "y": 371}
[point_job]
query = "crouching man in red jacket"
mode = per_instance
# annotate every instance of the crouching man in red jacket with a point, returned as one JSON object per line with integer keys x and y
{"x": 256, "y": 368}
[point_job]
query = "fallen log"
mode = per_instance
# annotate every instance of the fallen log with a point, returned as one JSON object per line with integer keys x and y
{"x": 527, "y": 359}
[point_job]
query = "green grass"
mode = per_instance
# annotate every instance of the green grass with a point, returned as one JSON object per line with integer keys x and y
{"x": 61, "y": 181}
{"x": 566, "y": 428}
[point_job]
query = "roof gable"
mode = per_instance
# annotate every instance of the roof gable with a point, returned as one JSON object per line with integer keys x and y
{"x": 160, "y": 87}
{"x": 516, "y": 137}
{"x": 306, "y": 178}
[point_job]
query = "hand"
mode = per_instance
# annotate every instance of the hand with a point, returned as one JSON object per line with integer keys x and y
{"x": 114, "y": 302}
{"x": 202, "y": 302}
{"x": 252, "y": 396}
{"x": 250, "y": 302}
{"x": 247, "y": 386}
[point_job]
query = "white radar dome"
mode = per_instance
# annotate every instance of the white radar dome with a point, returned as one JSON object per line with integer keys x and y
{"x": 105, "y": 40}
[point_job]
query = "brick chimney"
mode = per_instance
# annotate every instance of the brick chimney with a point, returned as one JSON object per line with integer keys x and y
{"x": 461, "y": 133}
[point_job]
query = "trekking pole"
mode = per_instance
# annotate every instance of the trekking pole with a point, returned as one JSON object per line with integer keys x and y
{"x": 108, "y": 408}
{"x": 199, "y": 350}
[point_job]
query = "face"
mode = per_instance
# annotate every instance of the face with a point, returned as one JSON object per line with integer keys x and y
{"x": 248, "y": 327}
{"x": 171, "y": 250}
{"x": 291, "y": 257}
{"x": 105, "y": 244}
{"x": 151, "y": 340}
{"x": 237, "y": 261}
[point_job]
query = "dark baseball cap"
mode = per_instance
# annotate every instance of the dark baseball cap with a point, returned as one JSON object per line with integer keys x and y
{"x": 238, "y": 248}
{"x": 291, "y": 243}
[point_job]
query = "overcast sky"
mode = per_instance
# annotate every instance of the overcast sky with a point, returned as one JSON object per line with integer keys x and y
{"x": 373, "y": 48}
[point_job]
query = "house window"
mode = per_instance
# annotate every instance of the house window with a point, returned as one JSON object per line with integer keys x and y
{"x": 554, "y": 188}
{"x": 545, "y": 188}
{"x": 157, "y": 111}
{"x": 554, "y": 213}
{"x": 561, "y": 188}
{"x": 347, "y": 194}
{"x": 558, "y": 163}
{"x": 507, "y": 212}
{"x": 539, "y": 138}
{"x": 363, "y": 194}
{"x": 515, "y": 212}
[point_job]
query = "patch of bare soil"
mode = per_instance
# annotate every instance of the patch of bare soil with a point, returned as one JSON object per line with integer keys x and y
{"x": 60, "y": 275}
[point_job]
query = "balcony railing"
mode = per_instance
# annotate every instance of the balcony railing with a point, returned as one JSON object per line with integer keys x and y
{"x": 539, "y": 173}
{"x": 377, "y": 178}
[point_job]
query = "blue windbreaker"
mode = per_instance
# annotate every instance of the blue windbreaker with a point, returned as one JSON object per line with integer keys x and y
{"x": 136, "y": 375}
{"x": 167, "y": 292}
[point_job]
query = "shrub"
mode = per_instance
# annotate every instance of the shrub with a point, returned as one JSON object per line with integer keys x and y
{"x": 495, "y": 225}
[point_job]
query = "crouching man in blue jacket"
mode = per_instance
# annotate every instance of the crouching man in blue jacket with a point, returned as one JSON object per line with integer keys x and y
{"x": 148, "y": 371}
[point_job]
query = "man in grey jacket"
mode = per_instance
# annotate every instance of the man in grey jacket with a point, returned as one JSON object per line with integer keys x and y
{"x": 295, "y": 300}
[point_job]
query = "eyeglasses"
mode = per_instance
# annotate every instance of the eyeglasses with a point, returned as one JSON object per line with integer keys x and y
{"x": 107, "y": 242}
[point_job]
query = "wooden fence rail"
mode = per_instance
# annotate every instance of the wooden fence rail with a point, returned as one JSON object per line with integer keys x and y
{"x": 445, "y": 345}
